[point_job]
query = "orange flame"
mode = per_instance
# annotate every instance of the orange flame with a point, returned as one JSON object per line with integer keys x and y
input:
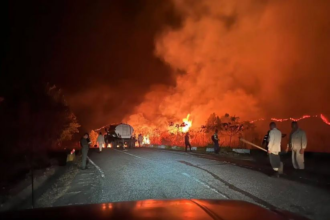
{"x": 146, "y": 139}
{"x": 187, "y": 124}
{"x": 324, "y": 119}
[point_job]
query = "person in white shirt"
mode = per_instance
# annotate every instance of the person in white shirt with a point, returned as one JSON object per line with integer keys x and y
{"x": 100, "y": 141}
{"x": 274, "y": 148}
{"x": 298, "y": 144}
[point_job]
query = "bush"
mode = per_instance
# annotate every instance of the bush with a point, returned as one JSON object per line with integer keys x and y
{"x": 35, "y": 119}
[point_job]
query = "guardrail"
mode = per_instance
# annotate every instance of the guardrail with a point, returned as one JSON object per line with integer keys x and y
{"x": 196, "y": 149}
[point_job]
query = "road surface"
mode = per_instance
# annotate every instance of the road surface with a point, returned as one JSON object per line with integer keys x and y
{"x": 140, "y": 174}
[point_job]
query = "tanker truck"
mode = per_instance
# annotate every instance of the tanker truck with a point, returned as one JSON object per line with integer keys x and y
{"x": 120, "y": 135}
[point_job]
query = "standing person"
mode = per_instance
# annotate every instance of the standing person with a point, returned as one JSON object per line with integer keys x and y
{"x": 140, "y": 139}
{"x": 100, "y": 141}
{"x": 215, "y": 140}
{"x": 298, "y": 144}
{"x": 133, "y": 140}
{"x": 187, "y": 141}
{"x": 265, "y": 141}
{"x": 274, "y": 148}
{"x": 84, "y": 142}
{"x": 106, "y": 138}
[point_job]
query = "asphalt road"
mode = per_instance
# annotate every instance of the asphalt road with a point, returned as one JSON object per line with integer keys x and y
{"x": 140, "y": 174}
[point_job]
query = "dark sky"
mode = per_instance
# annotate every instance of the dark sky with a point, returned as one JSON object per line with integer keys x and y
{"x": 100, "y": 52}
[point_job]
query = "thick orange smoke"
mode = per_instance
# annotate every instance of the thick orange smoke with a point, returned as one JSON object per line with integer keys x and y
{"x": 249, "y": 58}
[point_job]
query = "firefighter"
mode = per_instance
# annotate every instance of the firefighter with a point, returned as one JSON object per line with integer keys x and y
{"x": 84, "y": 143}
{"x": 215, "y": 140}
{"x": 187, "y": 141}
{"x": 100, "y": 141}
{"x": 140, "y": 139}
{"x": 274, "y": 148}
{"x": 298, "y": 144}
{"x": 265, "y": 140}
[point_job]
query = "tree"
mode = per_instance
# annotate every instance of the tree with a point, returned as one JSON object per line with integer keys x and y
{"x": 228, "y": 126}
{"x": 93, "y": 137}
{"x": 212, "y": 123}
{"x": 36, "y": 118}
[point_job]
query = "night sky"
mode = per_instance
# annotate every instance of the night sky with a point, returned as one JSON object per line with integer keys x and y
{"x": 149, "y": 62}
{"x": 101, "y": 53}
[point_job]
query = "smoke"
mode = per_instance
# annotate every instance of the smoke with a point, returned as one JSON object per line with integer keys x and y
{"x": 251, "y": 58}
{"x": 103, "y": 58}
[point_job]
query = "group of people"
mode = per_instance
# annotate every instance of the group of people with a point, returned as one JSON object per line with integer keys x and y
{"x": 297, "y": 144}
{"x": 215, "y": 140}
{"x": 272, "y": 142}
{"x": 85, "y": 143}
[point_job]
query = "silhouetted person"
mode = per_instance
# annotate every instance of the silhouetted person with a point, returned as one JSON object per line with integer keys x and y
{"x": 215, "y": 140}
{"x": 265, "y": 141}
{"x": 274, "y": 148}
{"x": 133, "y": 141}
{"x": 84, "y": 142}
{"x": 298, "y": 144}
{"x": 140, "y": 140}
{"x": 187, "y": 141}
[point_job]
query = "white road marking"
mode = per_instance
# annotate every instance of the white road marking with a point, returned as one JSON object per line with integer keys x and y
{"x": 205, "y": 185}
{"x": 97, "y": 167}
{"x": 131, "y": 154}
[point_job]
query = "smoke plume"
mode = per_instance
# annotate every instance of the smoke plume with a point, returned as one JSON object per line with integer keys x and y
{"x": 251, "y": 58}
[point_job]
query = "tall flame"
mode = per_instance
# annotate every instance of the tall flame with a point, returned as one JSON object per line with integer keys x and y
{"x": 146, "y": 139}
{"x": 188, "y": 124}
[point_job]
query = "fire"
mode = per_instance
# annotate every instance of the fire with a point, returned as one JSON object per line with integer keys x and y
{"x": 187, "y": 124}
{"x": 109, "y": 146}
{"x": 321, "y": 116}
{"x": 324, "y": 119}
{"x": 146, "y": 139}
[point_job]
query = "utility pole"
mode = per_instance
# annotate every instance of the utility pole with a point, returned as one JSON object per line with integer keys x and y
{"x": 32, "y": 177}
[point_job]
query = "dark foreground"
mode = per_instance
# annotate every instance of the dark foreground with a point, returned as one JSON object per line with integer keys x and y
{"x": 158, "y": 209}
{"x": 140, "y": 174}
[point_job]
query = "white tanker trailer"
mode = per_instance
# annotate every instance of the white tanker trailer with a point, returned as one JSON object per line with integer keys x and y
{"x": 119, "y": 135}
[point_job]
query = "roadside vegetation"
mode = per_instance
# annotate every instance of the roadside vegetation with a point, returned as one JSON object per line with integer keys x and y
{"x": 36, "y": 121}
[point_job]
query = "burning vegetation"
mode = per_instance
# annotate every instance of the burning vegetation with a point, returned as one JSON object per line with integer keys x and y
{"x": 230, "y": 128}
{"x": 260, "y": 60}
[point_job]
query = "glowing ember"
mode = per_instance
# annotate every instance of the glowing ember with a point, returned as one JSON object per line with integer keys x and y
{"x": 324, "y": 119}
{"x": 146, "y": 139}
{"x": 260, "y": 119}
{"x": 187, "y": 124}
